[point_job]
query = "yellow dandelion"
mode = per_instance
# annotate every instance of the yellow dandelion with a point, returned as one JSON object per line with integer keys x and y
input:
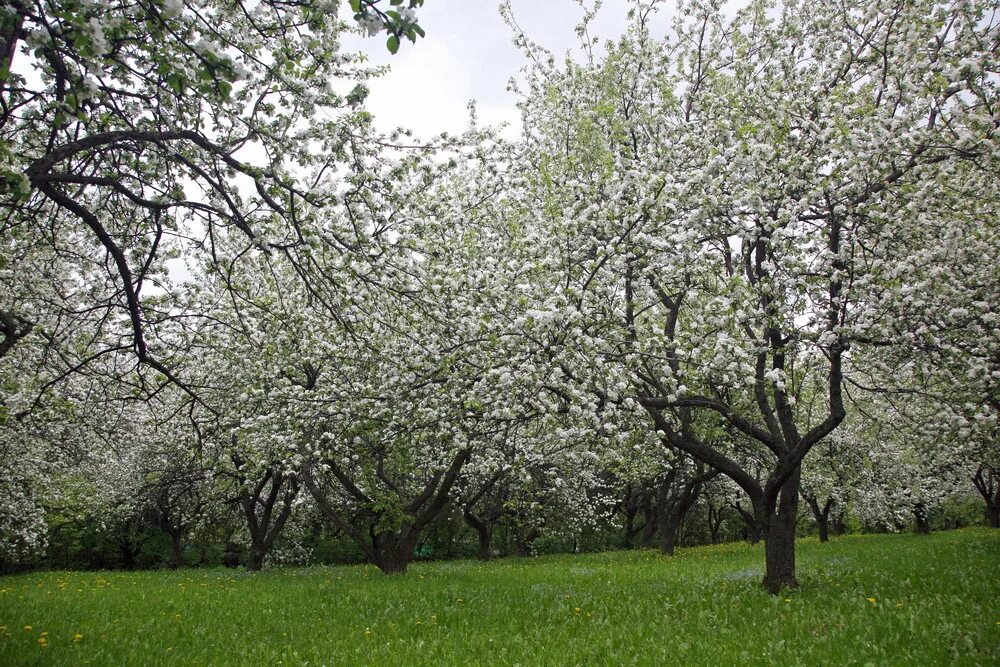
{"x": 788, "y": 599}
{"x": 42, "y": 641}
{"x": 27, "y": 628}
{"x": 368, "y": 632}
{"x": 872, "y": 600}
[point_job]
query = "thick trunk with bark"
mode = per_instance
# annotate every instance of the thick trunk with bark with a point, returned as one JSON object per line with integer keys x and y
{"x": 255, "y": 563}
{"x": 266, "y": 509}
{"x": 993, "y": 515}
{"x": 394, "y": 552}
{"x": 779, "y": 537}
{"x": 668, "y": 536}
{"x": 390, "y": 551}
{"x": 824, "y": 528}
{"x": 176, "y": 550}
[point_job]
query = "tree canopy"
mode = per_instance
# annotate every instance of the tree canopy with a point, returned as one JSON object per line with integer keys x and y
{"x": 730, "y": 263}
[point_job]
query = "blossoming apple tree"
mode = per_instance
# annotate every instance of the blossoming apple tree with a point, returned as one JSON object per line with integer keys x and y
{"x": 719, "y": 207}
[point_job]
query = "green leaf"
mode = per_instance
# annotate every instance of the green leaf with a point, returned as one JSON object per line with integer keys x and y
{"x": 392, "y": 44}
{"x": 356, "y": 6}
{"x": 174, "y": 81}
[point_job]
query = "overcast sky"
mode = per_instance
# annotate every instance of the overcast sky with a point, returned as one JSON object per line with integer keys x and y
{"x": 468, "y": 54}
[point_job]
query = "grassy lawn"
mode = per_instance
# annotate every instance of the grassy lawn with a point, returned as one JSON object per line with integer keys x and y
{"x": 896, "y": 599}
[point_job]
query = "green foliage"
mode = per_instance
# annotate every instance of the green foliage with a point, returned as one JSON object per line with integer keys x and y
{"x": 399, "y": 21}
{"x": 898, "y": 599}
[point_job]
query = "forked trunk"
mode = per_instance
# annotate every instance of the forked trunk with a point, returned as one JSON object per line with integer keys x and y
{"x": 822, "y": 516}
{"x": 987, "y": 481}
{"x": 715, "y": 517}
{"x": 672, "y": 512}
{"x": 393, "y": 553}
{"x": 485, "y": 533}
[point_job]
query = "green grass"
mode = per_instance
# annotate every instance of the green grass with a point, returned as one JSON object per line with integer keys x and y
{"x": 896, "y": 599}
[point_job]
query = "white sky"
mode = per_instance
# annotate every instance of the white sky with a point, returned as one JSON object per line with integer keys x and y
{"x": 468, "y": 54}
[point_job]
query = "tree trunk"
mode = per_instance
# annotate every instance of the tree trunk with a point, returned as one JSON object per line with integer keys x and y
{"x": 631, "y": 510}
{"x": 923, "y": 526}
{"x": 822, "y": 516}
{"x": 255, "y": 563}
{"x": 394, "y": 552}
{"x": 668, "y": 536}
{"x": 715, "y": 517}
{"x": 485, "y": 533}
{"x": 993, "y": 515}
{"x": 394, "y": 563}
{"x": 824, "y": 528}
{"x": 672, "y": 512}
{"x": 176, "y": 550}
{"x": 986, "y": 481}
{"x": 779, "y": 536}
{"x": 522, "y": 541}
{"x": 128, "y": 551}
